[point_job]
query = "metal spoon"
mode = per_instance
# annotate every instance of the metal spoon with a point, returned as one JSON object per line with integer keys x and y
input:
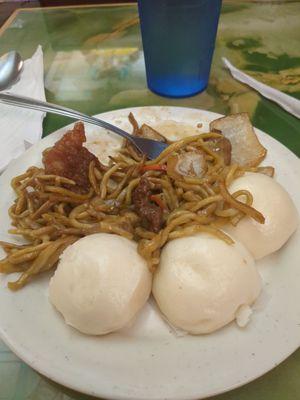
{"x": 151, "y": 148}
{"x": 11, "y": 65}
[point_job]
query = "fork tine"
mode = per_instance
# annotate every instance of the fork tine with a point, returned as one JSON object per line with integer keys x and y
{"x": 152, "y": 148}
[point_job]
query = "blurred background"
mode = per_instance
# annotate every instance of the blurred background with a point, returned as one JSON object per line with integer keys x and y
{"x": 7, "y": 7}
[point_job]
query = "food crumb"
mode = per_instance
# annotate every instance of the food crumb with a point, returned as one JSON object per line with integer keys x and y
{"x": 243, "y": 315}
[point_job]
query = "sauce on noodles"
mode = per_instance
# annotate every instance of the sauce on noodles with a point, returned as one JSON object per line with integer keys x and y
{"x": 180, "y": 193}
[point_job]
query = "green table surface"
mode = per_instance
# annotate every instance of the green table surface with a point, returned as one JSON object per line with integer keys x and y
{"x": 93, "y": 62}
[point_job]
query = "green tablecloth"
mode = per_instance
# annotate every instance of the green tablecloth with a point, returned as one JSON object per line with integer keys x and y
{"x": 94, "y": 63}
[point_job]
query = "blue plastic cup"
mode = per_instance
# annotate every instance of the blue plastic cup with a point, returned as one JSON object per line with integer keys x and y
{"x": 178, "y": 41}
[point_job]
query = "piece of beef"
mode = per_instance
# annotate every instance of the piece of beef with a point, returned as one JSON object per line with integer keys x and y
{"x": 68, "y": 158}
{"x": 145, "y": 130}
{"x": 150, "y": 213}
{"x": 222, "y": 147}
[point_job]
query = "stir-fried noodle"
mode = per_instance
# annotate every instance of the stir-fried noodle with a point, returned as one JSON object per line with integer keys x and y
{"x": 182, "y": 192}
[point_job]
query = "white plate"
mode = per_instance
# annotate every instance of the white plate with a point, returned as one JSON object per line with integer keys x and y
{"x": 148, "y": 361}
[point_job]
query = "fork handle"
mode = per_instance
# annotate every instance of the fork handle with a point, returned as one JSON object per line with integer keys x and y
{"x": 27, "y": 102}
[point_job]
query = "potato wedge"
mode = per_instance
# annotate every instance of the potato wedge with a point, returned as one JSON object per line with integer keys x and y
{"x": 246, "y": 148}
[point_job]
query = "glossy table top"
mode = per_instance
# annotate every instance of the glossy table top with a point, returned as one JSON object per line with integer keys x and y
{"x": 93, "y": 62}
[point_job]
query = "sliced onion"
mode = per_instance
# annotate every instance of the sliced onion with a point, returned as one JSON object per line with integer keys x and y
{"x": 190, "y": 164}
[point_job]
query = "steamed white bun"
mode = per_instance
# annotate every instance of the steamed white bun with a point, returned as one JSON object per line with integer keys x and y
{"x": 202, "y": 282}
{"x": 100, "y": 284}
{"x": 281, "y": 216}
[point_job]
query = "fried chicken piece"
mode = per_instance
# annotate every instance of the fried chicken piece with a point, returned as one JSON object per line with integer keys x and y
{"x": 68, "y": 158}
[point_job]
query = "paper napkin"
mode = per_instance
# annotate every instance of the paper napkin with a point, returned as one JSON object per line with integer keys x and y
{"x": 287, "y": 102}
{"x": 21, "y": 128}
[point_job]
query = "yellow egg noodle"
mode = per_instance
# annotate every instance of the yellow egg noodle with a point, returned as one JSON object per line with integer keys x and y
{"x": 50, "y": 216}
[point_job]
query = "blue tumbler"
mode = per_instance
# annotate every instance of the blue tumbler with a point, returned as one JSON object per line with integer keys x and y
{"x": 178, "y": 41}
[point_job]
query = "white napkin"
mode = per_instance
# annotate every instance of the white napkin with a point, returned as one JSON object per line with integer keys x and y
{"x": 287, "y": 102}
{"x": 21, "y": 128}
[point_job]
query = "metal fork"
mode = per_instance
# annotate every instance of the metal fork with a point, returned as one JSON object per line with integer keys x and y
{"x": 152, "y": 148}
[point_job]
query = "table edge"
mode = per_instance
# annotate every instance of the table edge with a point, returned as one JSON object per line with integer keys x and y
{"x": 9, "y": 21}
